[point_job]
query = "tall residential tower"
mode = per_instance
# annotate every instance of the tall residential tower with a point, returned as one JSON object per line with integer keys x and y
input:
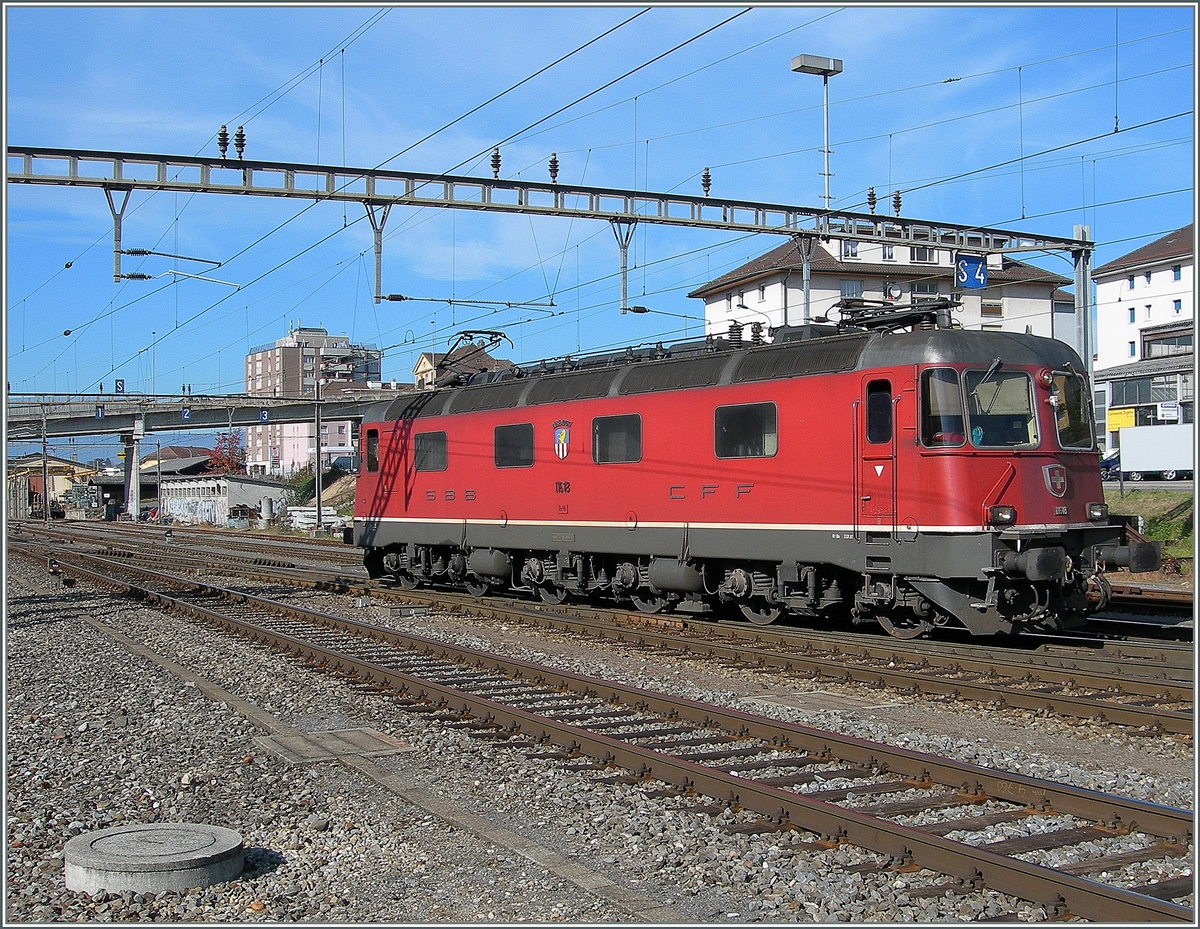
{"x": 294, "y": 367}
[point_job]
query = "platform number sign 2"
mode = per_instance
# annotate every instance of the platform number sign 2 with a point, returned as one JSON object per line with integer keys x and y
{"x": 185, "y": 414}
{"x": 970, "y": 271}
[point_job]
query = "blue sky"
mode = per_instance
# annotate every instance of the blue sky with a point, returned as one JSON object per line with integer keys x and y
{"x": 928, "y": 93}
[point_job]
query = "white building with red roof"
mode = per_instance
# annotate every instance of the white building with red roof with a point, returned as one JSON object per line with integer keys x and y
{"x": 769, "y": 289}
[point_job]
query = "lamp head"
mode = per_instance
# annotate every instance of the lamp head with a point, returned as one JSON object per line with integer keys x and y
{"x": 816, "y": 64}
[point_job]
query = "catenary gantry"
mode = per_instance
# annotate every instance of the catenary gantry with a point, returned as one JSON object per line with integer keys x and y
{"x": 378, "y": 190}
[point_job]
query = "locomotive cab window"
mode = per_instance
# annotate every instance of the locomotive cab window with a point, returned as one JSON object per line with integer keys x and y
{"x": 1068, "y": 399}
{"x": 746, "y": 431}
{"x": 429, "y": 451}
{"x": 879, "y": 412}
{"x": 941, "y": 409}
{"x": 372, "y": 449}
{"x": 616, "y": 439}
{"x": 514, "y": 446}
{"x": 1000, "y": 408}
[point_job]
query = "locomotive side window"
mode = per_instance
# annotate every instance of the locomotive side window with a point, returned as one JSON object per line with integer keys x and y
{"x": 514, "y": 446}
{"x": 372, "y": 449}
{"x": 429, "y": 451}
{"x": 746, "y": 431}
{"x": 879, "y": 412}
{"x": 616, "y": 439}
{"x": 1000, "y": 409}
{"x": 1068, "y": 399}
{"x": 941, "y": 409}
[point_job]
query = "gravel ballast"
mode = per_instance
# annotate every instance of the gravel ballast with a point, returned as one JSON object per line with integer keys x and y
{"x": 97, "y": 736}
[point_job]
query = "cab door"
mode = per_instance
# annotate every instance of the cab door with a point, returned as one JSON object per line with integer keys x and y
{"x": 876, "y": 440}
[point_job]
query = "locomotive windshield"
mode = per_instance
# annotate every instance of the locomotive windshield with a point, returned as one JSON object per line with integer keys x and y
{"x": 1068, "y": 397}
{"x": 1000, "y": 409}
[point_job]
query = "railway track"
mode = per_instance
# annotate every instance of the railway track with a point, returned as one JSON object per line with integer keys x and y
{"x": 916, "y": 811}
{"x": 1139, "y": 598}
{"x": 1149, "y": 598}
{"x": 1148, "y": 688}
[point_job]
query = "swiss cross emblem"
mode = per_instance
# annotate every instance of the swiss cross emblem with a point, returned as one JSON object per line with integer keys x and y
{"x": 562, "y": 438}
{"x": 1056, "y": 479}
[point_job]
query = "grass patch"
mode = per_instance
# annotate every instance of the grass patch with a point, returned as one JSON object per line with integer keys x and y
{"x": 1168, "y": 516}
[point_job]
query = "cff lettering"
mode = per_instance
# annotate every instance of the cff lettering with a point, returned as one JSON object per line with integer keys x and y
{"x": 680, "y": 492}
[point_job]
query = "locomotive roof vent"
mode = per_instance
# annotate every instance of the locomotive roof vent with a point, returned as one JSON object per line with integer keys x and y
{"x": 803, "y": 333}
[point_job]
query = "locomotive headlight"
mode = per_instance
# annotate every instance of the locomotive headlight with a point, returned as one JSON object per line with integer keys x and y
{"x": 1046, "y": 377}
{"x": 1002, "y": 515}
{"x": 1097, "y": 511}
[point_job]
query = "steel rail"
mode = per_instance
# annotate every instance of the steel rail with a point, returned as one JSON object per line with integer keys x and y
{"x": 1056, "y": 889}
{"x": 923, "y": 680}
{"x": 1148, "y": 597}
{"x": 1142, "y": 594}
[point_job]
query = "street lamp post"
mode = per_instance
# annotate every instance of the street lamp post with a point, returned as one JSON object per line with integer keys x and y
{"x": 815, "y": 64}
{"x": 317, "y": 462}
{"x": 158, "y": 482}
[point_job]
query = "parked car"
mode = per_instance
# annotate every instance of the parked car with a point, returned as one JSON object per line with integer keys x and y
{"x": 1110, "y": 470}
{"x": 1110, "y": 467}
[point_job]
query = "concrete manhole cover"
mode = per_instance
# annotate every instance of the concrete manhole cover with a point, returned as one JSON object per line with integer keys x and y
{"x": 152, "y": 857}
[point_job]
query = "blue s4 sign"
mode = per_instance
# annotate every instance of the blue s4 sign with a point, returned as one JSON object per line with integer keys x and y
{"x": 970, "y": 271}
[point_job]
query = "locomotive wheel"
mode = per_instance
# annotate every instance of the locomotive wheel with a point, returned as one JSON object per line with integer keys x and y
{"x": 552, "y": 593}
{"x": 759, "y": 612}
{"x": 908, "y": 627}
{"x": 476, "y": 588}
{"x": 648, "y": 602}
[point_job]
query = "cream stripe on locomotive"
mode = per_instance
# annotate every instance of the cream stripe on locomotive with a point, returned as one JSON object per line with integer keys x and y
{"x": 794, "y": 527}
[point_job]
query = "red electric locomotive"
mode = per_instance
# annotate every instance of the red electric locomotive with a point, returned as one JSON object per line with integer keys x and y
{"x": 891, "y": 469}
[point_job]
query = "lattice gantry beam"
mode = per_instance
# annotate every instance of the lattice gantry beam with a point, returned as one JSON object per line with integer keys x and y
{"x": 121, "y": 171}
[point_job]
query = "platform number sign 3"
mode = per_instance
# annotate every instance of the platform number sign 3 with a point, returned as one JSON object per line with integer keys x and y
{"x": 970, "y": 271}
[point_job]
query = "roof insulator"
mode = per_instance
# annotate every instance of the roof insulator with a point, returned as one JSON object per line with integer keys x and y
{"x": 735, "y": 334}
